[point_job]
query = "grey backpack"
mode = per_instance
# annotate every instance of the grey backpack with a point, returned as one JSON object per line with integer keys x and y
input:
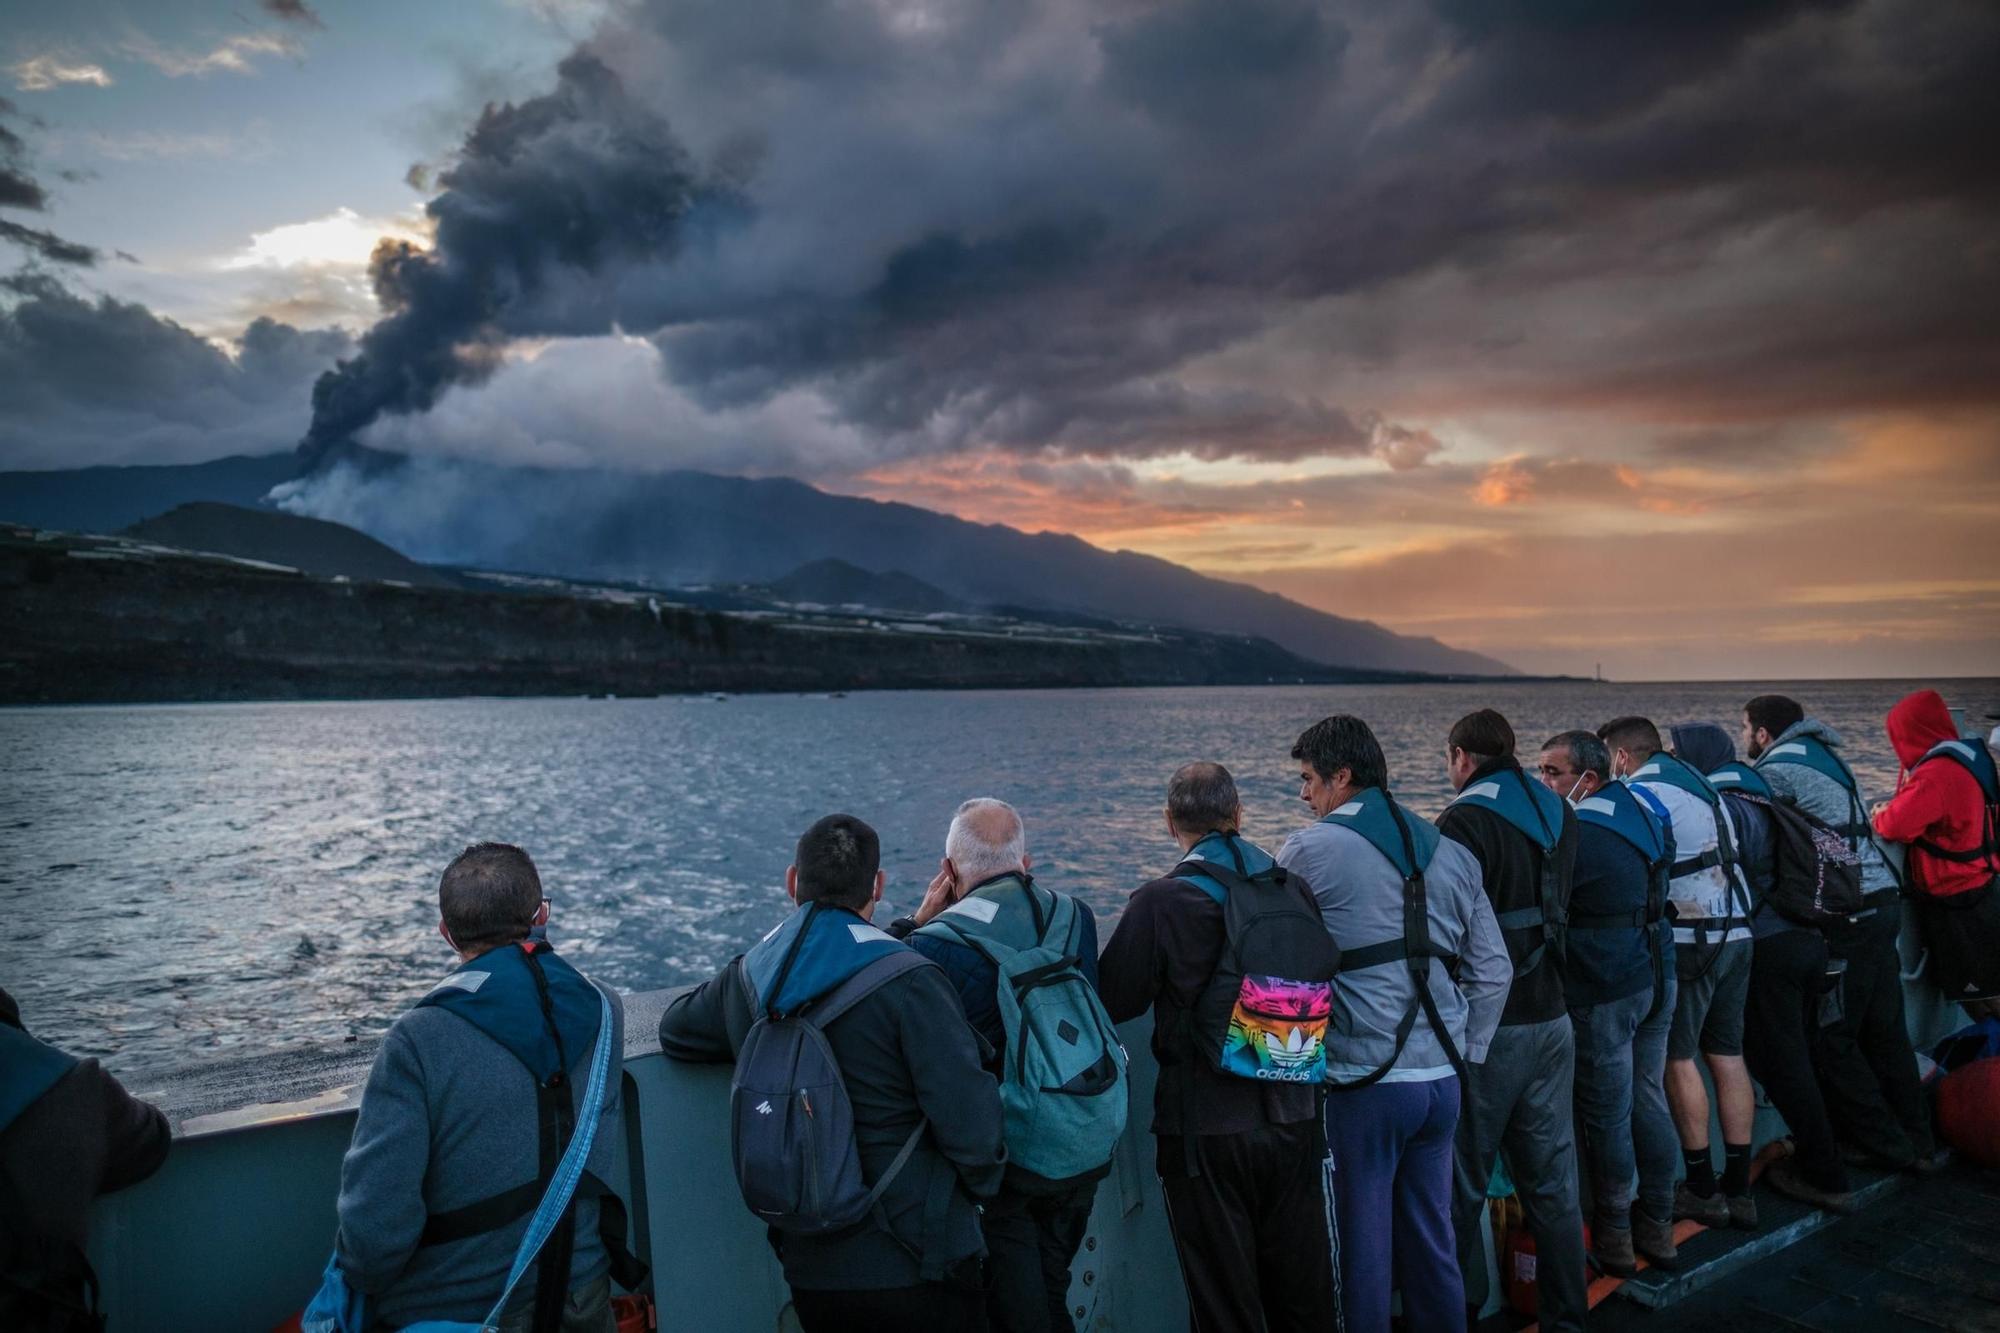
{"x": 791, "y": 1124}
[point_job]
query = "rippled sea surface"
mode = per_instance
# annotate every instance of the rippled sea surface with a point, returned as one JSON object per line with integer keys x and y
{"x": 187, "y": 881}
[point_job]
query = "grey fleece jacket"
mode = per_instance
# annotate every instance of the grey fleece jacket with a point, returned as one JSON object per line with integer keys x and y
{"x": 1826, "y": 800}
{"x": 447, "y": 1119}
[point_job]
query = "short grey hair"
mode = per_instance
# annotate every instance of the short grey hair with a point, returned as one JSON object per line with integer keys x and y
{"x": 1587, "y": 753}
{"x": 987, "y": 838}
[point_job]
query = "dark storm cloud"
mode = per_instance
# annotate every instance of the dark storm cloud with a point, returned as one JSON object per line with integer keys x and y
{"x": 20, "y": 190}
{"x": 292, "y": 11}
{"x": 84, "y": 382}
{"x": 1032, "y": 225}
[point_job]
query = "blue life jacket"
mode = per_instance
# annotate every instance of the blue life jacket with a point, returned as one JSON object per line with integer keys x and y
{"x": 1228, "y": 850}
{"x": 809, "y": 953}
{"x": 1739, "y": 777}
{"x": 1537, "y": 813}
{"x": 1636, "y": 816}
{"x": 1663, "y": 767}
{"x": 1622, "y": 809}
{"x": 28, "y": 1068}
{"x": 1976, "y": 759}
{"x": 499, "y": 993}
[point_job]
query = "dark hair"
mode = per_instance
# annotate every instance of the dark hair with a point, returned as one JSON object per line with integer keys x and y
{"x": 1774, "y": 713}
{"x": 1631, "y": 733}
{"x": 1484, "y": 734}
{"x": 489, "y": 895}
{"x": 1201, "y": 798}
{"x": 837, "y": 859}
{"x": 1587, "y": 754}
{"x": 1343, "y": 741}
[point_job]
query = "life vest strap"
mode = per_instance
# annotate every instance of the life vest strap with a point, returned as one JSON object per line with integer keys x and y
{"x": 1521, "y": 918}
{"x": 1694, "y": 865}
{"x": 1388, "y": 951}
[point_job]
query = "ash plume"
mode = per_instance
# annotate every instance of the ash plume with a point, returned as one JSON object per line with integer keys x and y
{"x": 543, "y": 197}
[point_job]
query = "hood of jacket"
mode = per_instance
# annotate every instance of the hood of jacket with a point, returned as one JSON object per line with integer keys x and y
{"x": 1917, "y": 723}
{"x": 1810, "y": 729}
{"x": 1702, "y": 746}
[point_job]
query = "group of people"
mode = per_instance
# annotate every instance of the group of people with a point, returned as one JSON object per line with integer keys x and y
{"x": 1351, "y": 1034}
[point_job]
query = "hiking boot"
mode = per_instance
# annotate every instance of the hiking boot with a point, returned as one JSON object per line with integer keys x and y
{"x": 1785, "y": 1178}
{"x": 1742, "y": 1211}
{"x": 1711, "y": 1210}
{"x": 1613, "y": 1248}
{"x": 1655, "y": 1240}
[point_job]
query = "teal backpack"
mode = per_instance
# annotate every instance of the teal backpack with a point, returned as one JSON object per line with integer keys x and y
{"x": 1063, "y": 1088}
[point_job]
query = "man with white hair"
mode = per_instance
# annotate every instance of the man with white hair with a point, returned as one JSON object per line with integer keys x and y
{"x": 982, "y": 908}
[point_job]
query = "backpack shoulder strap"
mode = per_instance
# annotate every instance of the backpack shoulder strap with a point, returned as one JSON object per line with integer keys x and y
{"x": 861, "y": 985}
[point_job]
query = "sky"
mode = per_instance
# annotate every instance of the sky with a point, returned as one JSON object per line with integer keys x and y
{"x": 1571, "y": 332}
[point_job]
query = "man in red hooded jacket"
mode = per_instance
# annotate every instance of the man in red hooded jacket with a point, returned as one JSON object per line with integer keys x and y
{"x": 1944, "y": 809}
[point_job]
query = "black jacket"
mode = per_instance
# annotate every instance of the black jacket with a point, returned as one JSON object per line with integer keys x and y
{"x": 84, "y": 1137}
{"x": 1510, "y": 866}
{"x": 1161, "y": 956}
{"x": 905, "y": 1054}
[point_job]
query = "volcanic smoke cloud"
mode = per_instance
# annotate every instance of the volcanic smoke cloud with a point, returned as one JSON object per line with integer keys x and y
{"x": 543, "y": 197}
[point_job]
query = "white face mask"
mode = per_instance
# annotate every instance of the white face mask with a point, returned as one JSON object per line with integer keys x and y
{"x": 1570, "y": 795}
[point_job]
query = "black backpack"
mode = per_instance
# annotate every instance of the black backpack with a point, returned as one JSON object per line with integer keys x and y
{"x": 1265, "y": 1011}
{"x": 1815, "y": 871}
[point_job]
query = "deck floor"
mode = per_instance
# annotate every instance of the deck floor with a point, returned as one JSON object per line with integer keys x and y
{"x": 1924, "y": 1254}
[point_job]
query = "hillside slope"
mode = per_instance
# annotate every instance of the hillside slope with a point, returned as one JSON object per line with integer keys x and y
{"x": 308, "y": 544}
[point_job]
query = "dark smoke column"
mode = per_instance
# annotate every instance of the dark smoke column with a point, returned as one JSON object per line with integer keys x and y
{"x": 561, "y": 186}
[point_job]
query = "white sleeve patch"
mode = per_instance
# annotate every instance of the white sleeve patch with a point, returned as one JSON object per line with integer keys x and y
{"x": 1348, "y": 811}
{"x": 1789, "y": 747}
{"x": 864, "y": 933}
{"x": 1596, "y": 805}
{"x": 1479, "y": 791}
{"x": 979, "y": 909}
{"x": 469, "y": 982}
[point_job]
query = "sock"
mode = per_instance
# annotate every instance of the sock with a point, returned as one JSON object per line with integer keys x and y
{"x": 1735, "y": 1168}
{"x": 1700, "y": 1171}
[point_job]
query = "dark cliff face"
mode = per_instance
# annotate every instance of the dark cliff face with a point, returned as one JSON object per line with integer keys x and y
{"x": 94, "y": 620}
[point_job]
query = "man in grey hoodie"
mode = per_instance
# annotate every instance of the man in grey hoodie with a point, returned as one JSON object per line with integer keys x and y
{"x": 1867, "y": 1068}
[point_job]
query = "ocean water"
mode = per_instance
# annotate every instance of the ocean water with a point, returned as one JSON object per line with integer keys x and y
{"x": 183, "y": 882}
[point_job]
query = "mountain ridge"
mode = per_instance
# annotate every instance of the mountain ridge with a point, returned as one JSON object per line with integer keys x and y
{"x": 687, "y": 527}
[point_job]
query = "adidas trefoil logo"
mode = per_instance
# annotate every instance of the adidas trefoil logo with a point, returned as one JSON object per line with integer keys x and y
{"x": 764, "y": 1107}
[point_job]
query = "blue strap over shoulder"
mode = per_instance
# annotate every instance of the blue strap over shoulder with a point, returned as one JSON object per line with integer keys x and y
{"x": 337, "y": 1308}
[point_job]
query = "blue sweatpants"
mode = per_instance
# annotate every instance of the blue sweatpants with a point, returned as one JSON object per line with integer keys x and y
{"x": 1392, "y": 1181}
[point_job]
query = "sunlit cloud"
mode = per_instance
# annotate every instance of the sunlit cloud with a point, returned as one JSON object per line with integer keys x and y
{"x": 38, "y": 74}
{"x": 341, "y": 239}
{"x": 234, "y": 55}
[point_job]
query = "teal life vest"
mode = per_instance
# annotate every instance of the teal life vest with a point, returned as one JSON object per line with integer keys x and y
{"x": 547, "y": 1015}
{"x": 501, "y": 993}
{"x": 28, "y": 1068}
{"x": 1618, "y": 808}
{"x": 1409, "y": 845}
{"x": 1228, "y": 852}
{"x": 1812, "y": 753}
{"x": 1062, "y": 1085}
{"x": 1537, "y": 813}
{"x": 809, "y": 953}
{"x": 1739, "y": 777}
